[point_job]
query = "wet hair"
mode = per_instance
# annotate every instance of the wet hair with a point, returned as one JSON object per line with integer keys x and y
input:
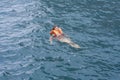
{"x": 54, "y": 27}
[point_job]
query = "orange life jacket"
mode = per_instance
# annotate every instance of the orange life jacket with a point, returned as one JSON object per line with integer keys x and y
{"x": 56, "y": 32}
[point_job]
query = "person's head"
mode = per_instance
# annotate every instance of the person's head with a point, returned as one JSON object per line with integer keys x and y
{"x": 54, "y": 27}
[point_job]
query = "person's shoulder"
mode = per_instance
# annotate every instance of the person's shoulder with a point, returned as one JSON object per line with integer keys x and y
{"x": 51, "y": 31}
{"x": 60, "y": 28}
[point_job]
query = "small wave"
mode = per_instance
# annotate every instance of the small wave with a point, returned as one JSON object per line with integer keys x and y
{"x": 15, "y": 25}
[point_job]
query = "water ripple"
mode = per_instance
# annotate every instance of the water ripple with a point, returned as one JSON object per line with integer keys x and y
{"x": 25, "y": 52}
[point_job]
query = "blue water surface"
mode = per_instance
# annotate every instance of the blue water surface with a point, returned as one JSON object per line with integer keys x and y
{"x": 25, "y": 51}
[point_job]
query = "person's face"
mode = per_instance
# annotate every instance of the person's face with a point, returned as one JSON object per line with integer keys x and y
{"x": 56, "y": 27}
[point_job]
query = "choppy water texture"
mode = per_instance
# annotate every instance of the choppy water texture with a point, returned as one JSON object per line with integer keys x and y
{"x": 25, "y": 52}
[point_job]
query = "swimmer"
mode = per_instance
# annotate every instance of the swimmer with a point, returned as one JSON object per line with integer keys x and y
{"x": 57, "y": 33}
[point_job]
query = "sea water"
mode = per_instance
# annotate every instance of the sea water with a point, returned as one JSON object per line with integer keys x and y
{"x": 25, "y": 51}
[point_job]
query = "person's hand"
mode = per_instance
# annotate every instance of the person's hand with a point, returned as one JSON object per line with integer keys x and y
{"x": 50, "y": 39}
{"x": 50, "y": 42}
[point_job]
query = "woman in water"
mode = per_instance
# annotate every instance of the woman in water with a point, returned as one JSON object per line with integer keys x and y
{"x": 58, "y": 34}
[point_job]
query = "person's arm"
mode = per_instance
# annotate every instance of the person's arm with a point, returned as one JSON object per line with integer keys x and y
{"x": 50, "y": 39}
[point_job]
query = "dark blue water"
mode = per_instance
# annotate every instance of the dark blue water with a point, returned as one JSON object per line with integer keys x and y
{"x": 25, "y": 52}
